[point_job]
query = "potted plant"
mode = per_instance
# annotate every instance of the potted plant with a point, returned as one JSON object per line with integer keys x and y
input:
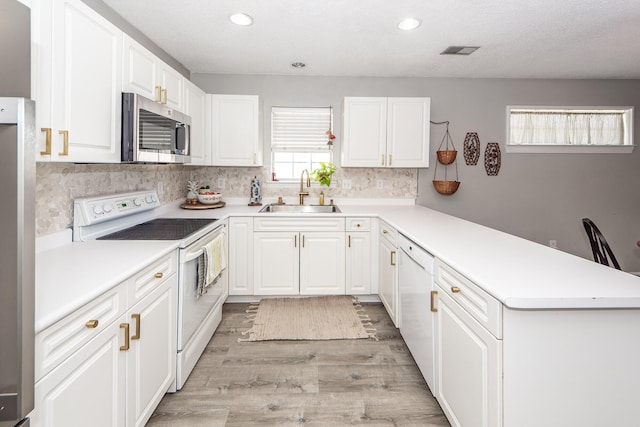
{"x": 323, "y": 176}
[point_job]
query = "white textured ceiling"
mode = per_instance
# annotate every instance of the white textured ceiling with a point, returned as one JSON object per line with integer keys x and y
{"x": 526, "y": 39}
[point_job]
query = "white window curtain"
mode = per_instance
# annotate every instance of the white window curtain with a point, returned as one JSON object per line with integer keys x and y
{"x": 538, "y": 127}
{"x": 300, "y": 129}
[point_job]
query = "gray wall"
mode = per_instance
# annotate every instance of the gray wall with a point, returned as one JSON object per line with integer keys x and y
{"x": 536, "y": 196}
{"x": 15, "y": 46}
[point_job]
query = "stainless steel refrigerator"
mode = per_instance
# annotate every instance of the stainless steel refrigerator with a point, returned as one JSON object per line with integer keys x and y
{"x": 17, "y": 259}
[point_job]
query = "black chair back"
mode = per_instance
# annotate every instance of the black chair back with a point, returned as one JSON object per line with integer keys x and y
{"x": 602, "y": 253}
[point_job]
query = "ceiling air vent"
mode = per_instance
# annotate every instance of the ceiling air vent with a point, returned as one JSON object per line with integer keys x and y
{"x": 459, "y": 50}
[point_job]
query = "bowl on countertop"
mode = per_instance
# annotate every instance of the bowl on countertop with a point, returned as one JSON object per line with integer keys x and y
{"x": 210, "y": 199}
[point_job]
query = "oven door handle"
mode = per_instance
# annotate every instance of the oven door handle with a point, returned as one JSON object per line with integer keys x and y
{"x": 191, "y": 257}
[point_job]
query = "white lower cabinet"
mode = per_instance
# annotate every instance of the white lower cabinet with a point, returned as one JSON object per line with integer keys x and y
{"x": 388, "y": 270}
{"x": 240, "y": 262}
{"x": 299, "y": 256}
{"x": 359, "y": 271}
{"x": 117, "y": 375}
{"x": 468, "y": 351}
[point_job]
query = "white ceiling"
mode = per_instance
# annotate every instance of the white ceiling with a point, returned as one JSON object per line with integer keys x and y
{"x": 517, "y": 39}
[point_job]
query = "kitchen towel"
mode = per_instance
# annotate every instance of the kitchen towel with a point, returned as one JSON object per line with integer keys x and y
{"x": 213, "y": 262}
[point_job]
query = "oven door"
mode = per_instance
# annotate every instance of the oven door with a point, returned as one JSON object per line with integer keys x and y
{"x": 193, "y": 309}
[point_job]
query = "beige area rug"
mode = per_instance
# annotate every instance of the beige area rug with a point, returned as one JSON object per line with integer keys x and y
{"x": 314, "y": 318}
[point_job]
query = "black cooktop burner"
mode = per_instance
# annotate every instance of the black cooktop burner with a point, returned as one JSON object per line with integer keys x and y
{"x": 160, "y": 229}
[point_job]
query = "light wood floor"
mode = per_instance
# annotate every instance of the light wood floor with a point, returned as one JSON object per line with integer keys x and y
{"x": 295, "y": 383}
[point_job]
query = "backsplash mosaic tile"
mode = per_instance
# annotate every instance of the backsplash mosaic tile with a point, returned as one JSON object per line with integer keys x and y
{"x": 58, "y": 184}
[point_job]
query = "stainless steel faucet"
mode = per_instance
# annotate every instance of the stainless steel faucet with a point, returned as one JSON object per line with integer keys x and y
{"x": 303, "y": 193}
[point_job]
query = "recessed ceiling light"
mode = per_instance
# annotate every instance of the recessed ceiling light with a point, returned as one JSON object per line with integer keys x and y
{"x": 459, "y": 50}
{"x": 298, "y": 64}
{"x": 409, "y": 24}
{"x": 241, "y": 19}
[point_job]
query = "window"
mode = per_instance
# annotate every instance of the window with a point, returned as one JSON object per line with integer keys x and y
{"x": 549, "y": 129}
{"x": 299, "y": 140}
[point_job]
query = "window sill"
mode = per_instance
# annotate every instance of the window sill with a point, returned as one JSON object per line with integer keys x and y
{"x": 564, "y": 149}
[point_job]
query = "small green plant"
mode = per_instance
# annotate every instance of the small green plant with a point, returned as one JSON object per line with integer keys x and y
{"x": 323, "y": 173}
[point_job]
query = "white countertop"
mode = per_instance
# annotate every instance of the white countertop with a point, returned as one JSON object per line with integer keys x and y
{"x": 519, "y": 273}
{"x": 73, "y": 274}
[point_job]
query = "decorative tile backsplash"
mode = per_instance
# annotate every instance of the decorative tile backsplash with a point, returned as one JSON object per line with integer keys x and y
{"x": 57, "y": 184}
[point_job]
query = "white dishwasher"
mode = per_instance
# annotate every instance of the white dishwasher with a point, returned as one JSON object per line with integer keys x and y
{"x": 415, "y": 279}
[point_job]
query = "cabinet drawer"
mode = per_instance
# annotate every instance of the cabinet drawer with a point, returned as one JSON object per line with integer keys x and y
{"x": 298, "y": 224}
{"x": 149, "y": 278}
{"x": 479, "y": 304}
{"x": 389, "y": 233}
{"x": 56, "y": 343}
{"x": 358, "y": 224}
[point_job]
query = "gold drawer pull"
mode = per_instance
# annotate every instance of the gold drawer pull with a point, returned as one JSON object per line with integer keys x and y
{"x": 433, "y": 301}
{"x": 91, "y": 324}
{"x": 136, "y": 317}
{"x": 47, "y": 141}
{"x": 385, "y": 231}
{"x": 295, "y": 240}
{"x": 349, "y": 240}
{"x": 455, "y": 289}
{"x": 382, "y": 160}
{"x": 393, "y": 257}
{"x": 358, "y": 225}
{"x": 158, "y": 275}
{"x": 125, "y": 326}
{"x": 65, "y": 143}
{"x": 390, "y": 159}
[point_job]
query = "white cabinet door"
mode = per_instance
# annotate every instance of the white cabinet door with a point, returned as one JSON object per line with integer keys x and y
{"x": 358, "y": 263}
{"x": 195, "y": 99}
{"x": 364, "y": 132}
{"x": 173, "y": 85}
{"x": 235, "y": 130}
{"x": 151, "y": 367}
{"x": 241, "y": 256}
{"x": 408, "y": 132}
{"x": 276, "y": 263}
{"x": 88, "y": 388}
{"x": 468, "y": 367}
{"x": 386, "y": 132}
{"x": 322, "y": 263}
{"x": 140, "y": 70}
{"x": 388, "y": 276}
{"x": 78, "y": 67}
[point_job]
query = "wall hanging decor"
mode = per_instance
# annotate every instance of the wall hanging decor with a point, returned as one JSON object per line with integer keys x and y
{"x": 446, "y": 157}
{"x": 471, "y": 148}
{"x": 492, "y": 159}
{"x": 329, "y": 133}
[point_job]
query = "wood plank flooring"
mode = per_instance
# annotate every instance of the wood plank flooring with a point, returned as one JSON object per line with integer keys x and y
{"x": 296, "y": 383}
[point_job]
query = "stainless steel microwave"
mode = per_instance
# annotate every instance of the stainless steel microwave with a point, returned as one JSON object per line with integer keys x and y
{"x": 153, "y": 132}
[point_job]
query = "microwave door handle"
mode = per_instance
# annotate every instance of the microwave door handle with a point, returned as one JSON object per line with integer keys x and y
{"x": 192, "y": 256}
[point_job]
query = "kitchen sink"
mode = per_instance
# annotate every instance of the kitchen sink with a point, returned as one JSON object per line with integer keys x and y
{"x": 275, "y": 208}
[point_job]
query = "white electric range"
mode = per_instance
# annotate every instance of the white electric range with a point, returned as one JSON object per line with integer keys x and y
{"x": 133, "y": 216}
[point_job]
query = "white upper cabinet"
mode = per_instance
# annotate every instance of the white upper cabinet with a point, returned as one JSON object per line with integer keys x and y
{"x": 77, "y": 63}
{"x": 235, "y": 130}
{"x": 386, "y": 132}
{"x": 147, "y": 75}
{"x": 194, "y": 104}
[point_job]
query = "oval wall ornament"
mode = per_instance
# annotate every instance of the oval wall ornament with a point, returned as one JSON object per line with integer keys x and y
{"x": 492, "y": 159}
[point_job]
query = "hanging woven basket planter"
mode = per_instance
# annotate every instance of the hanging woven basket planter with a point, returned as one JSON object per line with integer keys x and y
{"x": 447, "y": 155}
{"x": 446, "y": 187}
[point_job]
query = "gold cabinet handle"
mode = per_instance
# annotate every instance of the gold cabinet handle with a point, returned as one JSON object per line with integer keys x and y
{"x": 382, "y": 160}
{"x": 125, "y": 326}
{"x": 349, "y": 240}
{"x": 358, "y": 225}
{"x": 47, "y": 141}
{"x": 303, "y": 240}
{"x": 390, "y": 159}
{"x": 158, "y": 93}
{"x": 158, "y": 275}
{"x": 136, "y": 317}
{"x": 295, "y": 240}
{"x": 393, "y": 257}
{"x": 65, "y": 143}
{"x": 455, "y": 289}
{"x": 164, "y": 96}
{"x": 434, "y": 294}
{"x": 385, "y": 231}
{"x": 91, "y": 324}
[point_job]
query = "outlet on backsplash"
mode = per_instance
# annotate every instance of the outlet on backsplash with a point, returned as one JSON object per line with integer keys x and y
{"x": 220, "y": 182}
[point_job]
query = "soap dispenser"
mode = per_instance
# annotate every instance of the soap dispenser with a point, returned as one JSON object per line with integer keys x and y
{"x": 321, "y": 198}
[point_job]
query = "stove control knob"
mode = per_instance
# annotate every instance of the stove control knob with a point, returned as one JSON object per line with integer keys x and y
{"x": 107, "y": 208}
{"x": 137, "y": 202}
{"x": 149, "y": 199}
{"x": 97, "y": 209}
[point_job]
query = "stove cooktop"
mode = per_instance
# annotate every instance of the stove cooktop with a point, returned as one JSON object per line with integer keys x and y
{"x": 160, "y": 229}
